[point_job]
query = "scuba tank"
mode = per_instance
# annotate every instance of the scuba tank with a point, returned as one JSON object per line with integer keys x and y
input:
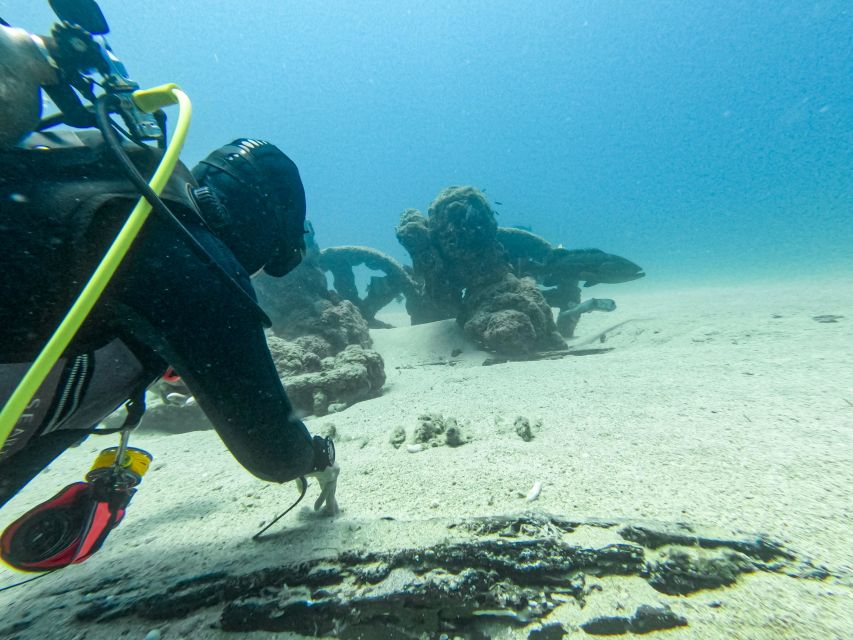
{"x": 62, "y": 195}
{"x": 23, "y": 70}
{"x": 74, "y": 173}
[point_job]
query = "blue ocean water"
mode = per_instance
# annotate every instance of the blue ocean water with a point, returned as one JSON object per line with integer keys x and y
{"x": 703, "y": 140}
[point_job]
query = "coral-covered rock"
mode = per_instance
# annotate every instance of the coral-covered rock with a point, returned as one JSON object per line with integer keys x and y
{"x": 441, "y": 297}
{"x": 297, "y": 308}
{"x": 503, "y": 331}
{"x": 463, "y": 230}
{"x": 321, "y": 342}
{"x": 463, "y": 268}
{"x": 300, "y": 304}
{"x": 342, "y": 325}
{"x": 510, "y": 316}
{"x": 293, "y": 359}
{"x": 354, "y": 374}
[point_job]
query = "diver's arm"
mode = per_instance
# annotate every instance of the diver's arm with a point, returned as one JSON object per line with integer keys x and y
{"x": 233, "y": 379}
{"x": 196, "y": 323}
{"x": 24, "y": 69}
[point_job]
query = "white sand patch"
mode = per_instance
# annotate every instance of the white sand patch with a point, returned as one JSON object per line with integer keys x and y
{"x": 728, "y": 407}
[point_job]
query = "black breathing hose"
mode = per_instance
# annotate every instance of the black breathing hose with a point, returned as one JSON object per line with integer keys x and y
{"x": 105, "y": 125}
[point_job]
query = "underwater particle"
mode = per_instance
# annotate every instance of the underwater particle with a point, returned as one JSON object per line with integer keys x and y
{"x": 398, "y": 436}
{"x": 522, "y": 428}
{"x": 178, "y": 399}
{"x": 534, "y": 492}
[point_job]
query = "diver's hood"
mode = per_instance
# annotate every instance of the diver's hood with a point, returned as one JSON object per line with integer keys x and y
{"x": 262, "y": 193}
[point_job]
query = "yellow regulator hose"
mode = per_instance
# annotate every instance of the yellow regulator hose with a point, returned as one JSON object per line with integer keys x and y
{"x": 148, "y": 100}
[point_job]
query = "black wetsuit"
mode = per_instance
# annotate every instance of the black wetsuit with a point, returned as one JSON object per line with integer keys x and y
{"x": 164, "y": 305}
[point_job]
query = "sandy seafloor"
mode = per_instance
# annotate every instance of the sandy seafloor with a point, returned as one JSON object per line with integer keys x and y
{"x": 728, "y": 407}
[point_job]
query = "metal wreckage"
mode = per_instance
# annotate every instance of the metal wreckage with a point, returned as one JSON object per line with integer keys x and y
{"x": 500, "y": 284}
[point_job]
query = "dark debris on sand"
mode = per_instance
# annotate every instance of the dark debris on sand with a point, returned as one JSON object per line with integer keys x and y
{"x": 489, "y": 573}
{"x": 645, "y": 620}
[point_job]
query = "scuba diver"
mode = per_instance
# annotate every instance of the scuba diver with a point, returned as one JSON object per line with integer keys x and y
{"x": 180, "y": 298}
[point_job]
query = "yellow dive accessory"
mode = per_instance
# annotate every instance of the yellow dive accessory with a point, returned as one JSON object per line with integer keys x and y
{"x": 135, "y": 463}
{"x": 149, "y": 101}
